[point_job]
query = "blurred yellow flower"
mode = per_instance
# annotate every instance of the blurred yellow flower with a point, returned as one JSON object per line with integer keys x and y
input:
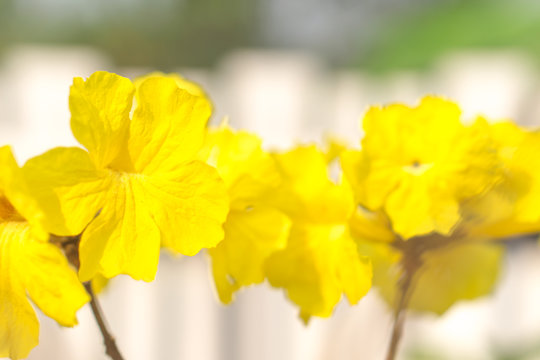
{"x": 320, "y": 261}
{"x": 417, "y": 164}
{"x": 253, "y": 229}
{"x": 444, "y": 269}
{"x": 29, "y": 266}
{"x": 433, "y": 194}
{"x": 140, "y": 184}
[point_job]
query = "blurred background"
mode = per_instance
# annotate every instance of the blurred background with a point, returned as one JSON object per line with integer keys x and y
{"x": 291, "y": 71}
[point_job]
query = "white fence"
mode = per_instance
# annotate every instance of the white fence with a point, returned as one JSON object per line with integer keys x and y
{"x": 286, "y": 98}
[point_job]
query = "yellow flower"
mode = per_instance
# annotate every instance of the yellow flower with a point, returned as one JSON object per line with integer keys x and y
{"x": 468, "y": 184}
{"x": 253, "y": 229}
{"x": 29, "y": 266}
{"x": 320, "y": 262}
{"x": 446, "y": 268}
{"x": 417, "y": 165}
{"x": 139, "y": 185}
{"x": 457, "y": 270}
{"x": 513, "y": 206}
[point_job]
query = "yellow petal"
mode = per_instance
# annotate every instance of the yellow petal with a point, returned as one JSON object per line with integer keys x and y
{"x": 51, "y": 284}
{"x": 335, "y": 147}
{"x": 190, "y": 86}
{"x": 305, "y": 168}
{"x": 99, "y": 283}
{"x": 68, "y": 188}
{"x": 511, "y": 207}
{"x": 240, "y": 160}
{"x": 355, "y": 166}
{"x": 168, "y": 126}
{"x": 373, "y": 226}
{"x": 100, "y": 109}
{"x": 19, "y": 327}
{"x": 124, "y": 237}
{"x": 306, "y": 193}
{"x": 251, "y": 235}
{"x": 16, "y": 199}
{"x": 28, "y": 265}
{"x": 189, "y": 206}
{"x": 461, "y": 271}
{"x": 526, "y": 162}
{"x": 416, "y": 207}
{"x": 319, "y": 264}
{"x": 402, "y": 134}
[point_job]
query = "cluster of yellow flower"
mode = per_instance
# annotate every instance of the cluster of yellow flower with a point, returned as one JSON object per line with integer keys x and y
{"x": 412, "y": 209}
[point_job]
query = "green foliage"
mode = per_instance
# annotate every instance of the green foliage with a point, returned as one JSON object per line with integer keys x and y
{"x": 416, "y": 40}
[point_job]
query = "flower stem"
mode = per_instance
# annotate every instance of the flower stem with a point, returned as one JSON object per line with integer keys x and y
{"x": 399, "y": 316}
{"x": 411, "y": 262}
{"x": 110, "y": 344}
{"x": 70, "y": 246}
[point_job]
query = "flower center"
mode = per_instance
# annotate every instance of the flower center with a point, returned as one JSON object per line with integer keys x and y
{"x": 417, "y": 168}
{"x": 7, "y": 211}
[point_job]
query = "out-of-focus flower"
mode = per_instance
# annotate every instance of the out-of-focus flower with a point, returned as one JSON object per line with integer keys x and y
{"x": 444, "y": 269}
{"x": 320, "y": 261}
{"x": 29, "y": 266}
{"x": 140, "y": 184}
{"x": 417, "y": 164}
{"x": 432, "y": 195}
{"x": 253, "y": 229}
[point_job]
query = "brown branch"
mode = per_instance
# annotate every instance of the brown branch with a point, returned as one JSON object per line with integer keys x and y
{"x": 412, "y": 252}
{"x": 110, "y": 344}
{"x": 405, "y": 290}
{"x": 70, "y": 246}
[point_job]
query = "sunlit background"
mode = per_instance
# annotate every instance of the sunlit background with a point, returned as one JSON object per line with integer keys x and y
{"x": 291, "y": 71}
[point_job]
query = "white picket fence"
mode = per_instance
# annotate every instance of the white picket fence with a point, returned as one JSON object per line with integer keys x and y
{"x": 286, "y": 98}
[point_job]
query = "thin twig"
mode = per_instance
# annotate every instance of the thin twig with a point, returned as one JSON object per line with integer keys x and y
{"x": 405, "y": 290}
{"x": 70, "y": 245}
{"x": 110, "y": 344}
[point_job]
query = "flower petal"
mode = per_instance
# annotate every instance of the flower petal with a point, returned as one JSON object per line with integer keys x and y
{"x": 123, "y": 238}
{"x": 39, "y": 268}
{"x": 251, "y": 235}
{"x": 416, "y": 207}
{"x": 401, "y": 134}
{"x": 189, "y": 206}
{"x": 100, "y": 109}
{"x": 461, "y": 272}
{"x": 456, "y": 272}
{"x": 19, "y": 327}
{"x": 68, "y": 188}
{"x": 373, "y": 226}
{"x": 319, "y": 263}
{"x": 306, "y": 193}
{"x": 247, "y": 170}
{"x": 16, "y": 199}
{"x": 168, "y": 126}
{"x": 190, "y": 86}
